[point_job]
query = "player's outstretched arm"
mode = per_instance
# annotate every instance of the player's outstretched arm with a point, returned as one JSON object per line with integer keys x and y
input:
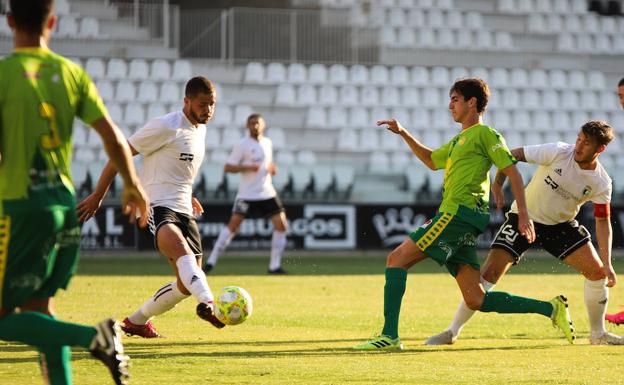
{"x": 420, "y": 150}
{"x": 604, "y": 237}
{"x": 499, "y": 180}
{"x": 525, "y": 224}
{"x": 134, "y": 198}
{"x": 234, "y": 168}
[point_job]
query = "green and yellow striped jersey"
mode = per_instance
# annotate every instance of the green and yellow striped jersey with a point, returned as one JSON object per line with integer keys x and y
{"x": 40, "y": 94}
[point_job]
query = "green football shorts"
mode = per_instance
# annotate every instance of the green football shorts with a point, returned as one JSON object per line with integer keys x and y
{"x": 449, "y": 241}
{"x": 39, "y": 247}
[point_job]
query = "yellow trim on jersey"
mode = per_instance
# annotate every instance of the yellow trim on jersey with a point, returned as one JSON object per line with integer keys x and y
{"x": 5, "y": 234}
{"x": 434, "y": 231}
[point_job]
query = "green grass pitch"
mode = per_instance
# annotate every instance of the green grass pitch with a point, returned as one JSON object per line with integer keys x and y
{"x": 304, "y": 325}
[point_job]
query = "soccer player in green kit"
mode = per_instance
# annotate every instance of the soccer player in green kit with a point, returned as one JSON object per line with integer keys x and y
{"x": 40, "y": 94}
{"x": 449, "y": 237}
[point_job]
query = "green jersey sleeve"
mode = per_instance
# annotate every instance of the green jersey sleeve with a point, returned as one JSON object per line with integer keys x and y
{"x": 90, "y": 107}
{"x": 496, "y": 149}
{"x": 440, "y": 155}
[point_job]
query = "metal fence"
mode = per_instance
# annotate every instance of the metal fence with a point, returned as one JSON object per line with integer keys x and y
{"x": 303, "y": 36}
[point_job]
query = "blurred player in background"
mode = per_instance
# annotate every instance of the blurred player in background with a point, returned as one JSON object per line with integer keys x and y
{"x": 173, "y": 148}
{"x": 567, "y": 177}
{"x": 618, "y": 318}
{"x": 40, "y": 94}
{"x": 253, "y": 158}
{"x": 450, "y": 237}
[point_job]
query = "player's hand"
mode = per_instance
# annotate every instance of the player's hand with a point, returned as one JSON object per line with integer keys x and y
{"x": 87, "y": 208}
{"x": 498, "y": 195}
{"x": 611, "y": 276}
{"x": 526, "y": 227}
{"x": 134, "y": 201}
{"x": 392, "y": 125}
{"x": 197, "y": 207}
{"x": 272, "y": 168}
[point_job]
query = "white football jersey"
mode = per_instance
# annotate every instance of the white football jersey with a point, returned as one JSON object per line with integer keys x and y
{"x": 559, "y": 186}
{"x": 254, "y": 185}
{"x": 172, "y": 150}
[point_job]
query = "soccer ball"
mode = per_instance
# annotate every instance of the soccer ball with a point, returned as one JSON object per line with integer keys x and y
{"x": 233, "y": 305}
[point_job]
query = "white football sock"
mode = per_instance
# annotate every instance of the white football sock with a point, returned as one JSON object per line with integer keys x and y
{"x": 194, "y": 279}
{"x": 224, "y": 239}
{"x": 464, "y": 313}
{"x": 165, "y": 299}
{"x": 596, "y": 300}
{"x": 278, "y": 244}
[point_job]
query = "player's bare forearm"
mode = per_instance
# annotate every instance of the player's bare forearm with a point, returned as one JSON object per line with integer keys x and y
{"x": 518, "y": 153}
{"x": 118, "y": 150}
{"x": 604, "y": 237}
{"x": 420, "y": 150}
{"x": 105, "y": 180}
{"x": 234, "y": 168}
{"x": 525, "y": 224}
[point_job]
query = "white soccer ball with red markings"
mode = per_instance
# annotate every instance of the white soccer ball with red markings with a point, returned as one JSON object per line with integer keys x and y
{"x": 233, "y": 305}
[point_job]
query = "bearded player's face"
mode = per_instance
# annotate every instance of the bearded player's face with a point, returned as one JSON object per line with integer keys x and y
{"x": 201, "y": 107}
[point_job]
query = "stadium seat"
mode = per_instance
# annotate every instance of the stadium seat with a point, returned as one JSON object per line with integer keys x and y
{"x": 328, "y": 95}
{"x": 538, "y": 78}
{"x": 589, "y": 100}
{"x": 317, "y": 74}
{"x": 419, "y": 76}
{"x": 220, "y": 156}
{"x": 358, "y": 117}
{"x": 500, "y": 77}
{"x": 531, "y": 99}
{"x": 484, "y": 40}
{"x": 369, "y": 139}
{"x": 275, "y": 73}
{"x": 213, "y": 137}
{"x": 379, "y": 112}
{"x": 148, "y": 92}
{"x": 90, "y": 27}
{"x": 570, "y": 100}
{"x": 426, "y": 37}
{"x": 510, "y": 98}
{"x": 62, "y": 7}
{"x": 358, "y": 74}
{"x": 379, "y": 163}
{"x": 348, "y": 95}
{"x": 415, "y": 17}
{"x": 446, "y": 38}
{"x": 254, "y": 72}
{"x": 241, "y": 113}
{"x": 117, "y": 69}
{"x": 465, "y": 39}
{"x": 608, "y": 25}
{"x": 315, "y": 117}
{"x": 503, "y": 41}
{"x": 106, "y": 89}
{"x": 480, "y": 72}
{"x": 230, "y": 136}
{"x": 338, "y": 74}
{"x": 182, "y": 70}
{"x": 285, "y": 95}
{"x": 399, "y": 75}
{"x": 369, "y": 95}
{"x": 345, "y": 176}
{"x": 441, "y": 118}
{"x": 473, "y": 20}
{"x": 337, "y": 117}
{"x": 277, "y": 137}
{"x": 125, "y": 92}
{"x": 160, "y": 70}
{"x": 585, "y": 43}
{"x": 440, "y": 76}
{"x": 284, "y": 157}
{"x": 566, "y": 43}
{"x": 519, "y": 78}
{"x": 306, "y": 157}
{"x": 561, "y": 121}
{"x": 533, "y": 137}
{"x": 306, "y": 95}
{"x": 347, "y": 139}
{"x": 170, "y": 92}
{"x": 67, "y": 26}
{"x": 435, "y": 18}
{"x": 432, "y": 139}
{"x": 79, "y": 134}
{"x": 431, "y": 97}
{"x": 139, "y": 70}
{"x": 134, "y": 114}
{"x": 410, "y": 96}
{"x": 115, "y": 112}
{"x": 395, "y": 17}
{"x": 550, "y": 99}
{"x": 297, "y": 73}
{"x": 501, "y": 120}
{"x": 379, "y": 75}
{"x": 401, "y": 114}
{"x": 577, "y": 79}
{"x": 222, "y": 116}
{"x": 95, "y": 67}
{"x": 596, "y": 80}
{"x": 513, "y": 139}
{"x": 521, "y": 120}
{"x": 155, "y": 110}
{"x": 389, "y": 140}
{"x": 390, "y": 96}
{"x": 454, "y": 19}
{"x": 542, "y": 120}
{"x": 608, "y": 101}
{"x": 602, "y": 44}
{"x": 399, "y": 161}
{"x": 554, "y": 23}
{"x": 536, "y": 23}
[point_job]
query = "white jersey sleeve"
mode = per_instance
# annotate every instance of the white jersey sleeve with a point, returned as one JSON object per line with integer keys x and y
{"x": 604, "y": 196}
{"x": 544, "y": 154}
{"x": 154, "y": 135}
{"x": 236, "y": 156}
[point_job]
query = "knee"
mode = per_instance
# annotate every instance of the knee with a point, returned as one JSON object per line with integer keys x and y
{"x": 595, "y": 275}
{"x": 393, "y": 259}
{"x": 473, "y": 302}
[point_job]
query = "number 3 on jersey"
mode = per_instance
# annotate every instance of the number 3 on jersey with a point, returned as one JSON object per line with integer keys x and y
{"x": 53, "y": 139}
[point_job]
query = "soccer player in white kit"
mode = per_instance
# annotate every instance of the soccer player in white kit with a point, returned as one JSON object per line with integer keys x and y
{"x": 567, "y": 176}
{"x": 253, "y": 158}
{"x": 173, "y": 148}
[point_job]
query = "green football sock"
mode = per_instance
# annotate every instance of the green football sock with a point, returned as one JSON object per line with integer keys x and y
{"x": 55, "y": 364}
{"x": 38, "y": 329}
{"x": 393, "y": 295}
{"x": 501, "y": 302}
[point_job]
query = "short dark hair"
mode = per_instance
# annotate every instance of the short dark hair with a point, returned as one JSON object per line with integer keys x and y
{"x": 254, "y": 116}
{"x": 621, "y": 83}
{"x": 199, "y": 85}
{"x": 473, "y": 87}
{"x": 600, "y": 130}
{"x": 31, "y": 15}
